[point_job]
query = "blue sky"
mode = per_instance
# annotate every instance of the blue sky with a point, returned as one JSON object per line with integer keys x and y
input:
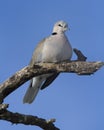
{"x": 77, "y": 102}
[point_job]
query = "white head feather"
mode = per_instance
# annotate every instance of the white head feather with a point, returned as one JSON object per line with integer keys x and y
{"x": 60, "y": 27}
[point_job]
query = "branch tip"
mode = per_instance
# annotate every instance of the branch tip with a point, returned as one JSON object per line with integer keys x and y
{"x": 80, "y": 55}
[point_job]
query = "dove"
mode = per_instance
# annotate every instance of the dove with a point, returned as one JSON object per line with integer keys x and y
{"x": 52, "y": 49}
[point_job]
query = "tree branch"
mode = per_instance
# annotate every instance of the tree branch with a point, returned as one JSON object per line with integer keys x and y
{"x": 25, "y": 74}
{"x": 80, "y": 67}
{"x": 26, "y": 119}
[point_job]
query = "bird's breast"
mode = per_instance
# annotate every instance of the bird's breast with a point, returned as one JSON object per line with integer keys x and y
{"x": 56, "y": 49}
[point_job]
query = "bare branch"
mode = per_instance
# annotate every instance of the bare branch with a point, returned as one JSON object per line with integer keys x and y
{"x": 16, "y": 118}
{"x": 80, "y": 67}
{"x": 80, "y": 55}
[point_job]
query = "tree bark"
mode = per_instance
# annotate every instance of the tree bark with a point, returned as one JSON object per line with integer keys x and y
{"x": 80, "y": 67}
{"x": 25, "y": 74}
{"x": 17, "y": 118}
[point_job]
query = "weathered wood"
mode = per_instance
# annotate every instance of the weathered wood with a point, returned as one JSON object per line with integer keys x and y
{"x": 20, "y": 77}
{"x": 79, "y": 66}
{"x": 17, "y": 118}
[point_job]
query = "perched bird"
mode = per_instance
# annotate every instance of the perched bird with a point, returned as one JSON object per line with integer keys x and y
{"x": 55, "y": 48}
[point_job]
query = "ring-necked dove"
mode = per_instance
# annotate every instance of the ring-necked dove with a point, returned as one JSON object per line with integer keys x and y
{"x": 55, "y": 48}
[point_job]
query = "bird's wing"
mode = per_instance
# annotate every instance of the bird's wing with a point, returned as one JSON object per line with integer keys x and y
{"x": 37, "y": 55}
{"x": 49, "y": 80}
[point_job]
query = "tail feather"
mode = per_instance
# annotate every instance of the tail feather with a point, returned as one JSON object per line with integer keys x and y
{"x": 30, "y": 95}
{"x": 32, "y": 91}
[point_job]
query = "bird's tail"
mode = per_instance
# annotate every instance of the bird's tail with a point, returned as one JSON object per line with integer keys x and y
{"x": 32, "y": 91}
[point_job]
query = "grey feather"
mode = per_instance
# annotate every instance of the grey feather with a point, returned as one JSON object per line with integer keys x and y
{"x": 32, "y": 90}
{"x": 55, "y": 48}
{"x": 49, "y": 80}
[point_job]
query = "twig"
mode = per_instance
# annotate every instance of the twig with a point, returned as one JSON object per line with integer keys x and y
{"x": 17, "y": 118}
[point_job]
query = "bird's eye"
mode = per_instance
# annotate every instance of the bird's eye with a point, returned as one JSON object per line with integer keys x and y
{"x": 60, "y": 25}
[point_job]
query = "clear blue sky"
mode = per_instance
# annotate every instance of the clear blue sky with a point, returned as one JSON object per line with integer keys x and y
{"x": 77, "y": 102}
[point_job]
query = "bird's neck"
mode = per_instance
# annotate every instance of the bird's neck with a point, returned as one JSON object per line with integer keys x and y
{"x": 55, "y": 33}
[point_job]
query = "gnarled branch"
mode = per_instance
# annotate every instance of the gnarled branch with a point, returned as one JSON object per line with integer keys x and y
{"x": 80, "y": 67}
{"x": 26, "y": 119}
{"x": 25, "y": 74}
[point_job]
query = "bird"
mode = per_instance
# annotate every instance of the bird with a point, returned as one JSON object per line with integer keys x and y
{"x": 55, "y": 48}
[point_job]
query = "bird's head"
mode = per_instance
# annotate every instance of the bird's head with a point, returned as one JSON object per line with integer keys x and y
{"x": 60, "y": 27}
